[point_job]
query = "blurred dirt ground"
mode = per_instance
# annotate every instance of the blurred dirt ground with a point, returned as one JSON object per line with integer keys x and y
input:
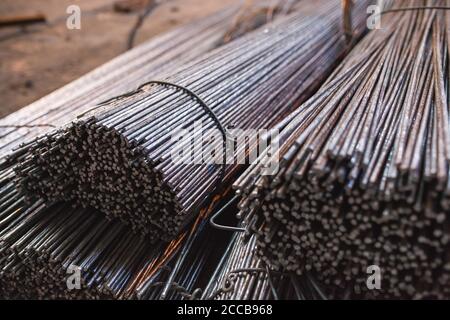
{"x": 37, "y": 59}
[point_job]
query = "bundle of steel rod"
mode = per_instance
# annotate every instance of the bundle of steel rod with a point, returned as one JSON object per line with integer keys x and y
{"x": 42, "y": 248}
{"x": 46, "y": 245}
{"x": 144, "y": 61}
{"x": 244, "y": 276}
{"x": 364, "y": 170}
{"x": 39, "y": 243}
{"x": 61, "y": 105}
{"x": 118, "y": 76}
{"x": 126, "y": 72}
{"x": 118, "y": 158}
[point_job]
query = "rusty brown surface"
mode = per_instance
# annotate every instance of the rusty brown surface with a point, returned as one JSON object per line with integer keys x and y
{"x": 35, "y": 60}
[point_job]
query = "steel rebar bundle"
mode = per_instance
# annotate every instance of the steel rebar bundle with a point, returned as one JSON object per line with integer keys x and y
{"x": 241, "y": 274}
{"x": 38, "y": 242}
{"x": 117, "y": 157}
{"x": 30, "y": 269}
{"x": 42, "y": 246}
{"x": 44, "y": 243}
{"x": 364, "y": 168}
{"x": 120, "y": 75}
{"x": 148, "y": 60}
{"x": 144, "y": 61}
{"x": 40, "y": 250}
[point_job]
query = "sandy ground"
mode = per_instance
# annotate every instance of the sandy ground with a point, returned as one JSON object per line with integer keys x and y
{"x": 37, "y": 59}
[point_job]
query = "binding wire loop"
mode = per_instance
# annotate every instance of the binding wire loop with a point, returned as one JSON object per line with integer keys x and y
{"x": 224, "y": 130}
{"x": 226, "y": 136}
{"x": 210, "y": 113}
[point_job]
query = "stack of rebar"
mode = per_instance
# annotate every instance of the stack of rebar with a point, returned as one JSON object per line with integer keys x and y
{"x": 145, "y": 62}
{"x": 241, "y": 274}
{"x": 120, "y": 75}
{"x": 39, "y": 243}
{"x": 364, "y": 180}
{"x": 46, "y": 248}
{"x": 118, "y": 157}
{"x": 149, "y": 59}
{"x": 63, "y": 251}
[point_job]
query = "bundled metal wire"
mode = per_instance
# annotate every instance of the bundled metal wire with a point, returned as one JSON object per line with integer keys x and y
{"x": 43, "y": 248}
{"x": 39, "y": 243}
{"x": 44, "y": 243}
{"x": 145, "y": 62}
{"x": 240, "y": 274}
{"x": 117, "y": 158}
{"x": 120, "y": 75}
{"x": 364, "y": 177}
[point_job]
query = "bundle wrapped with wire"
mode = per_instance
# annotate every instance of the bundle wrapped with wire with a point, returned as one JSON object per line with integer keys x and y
{"x": 118, "y": 76}
{"x": 30, "y": 270}
{"x": 145, "y": 62}
{"x": 118, "y": 157}
{"x": 40, "y": 261}
{"x": 362, "y": 195}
